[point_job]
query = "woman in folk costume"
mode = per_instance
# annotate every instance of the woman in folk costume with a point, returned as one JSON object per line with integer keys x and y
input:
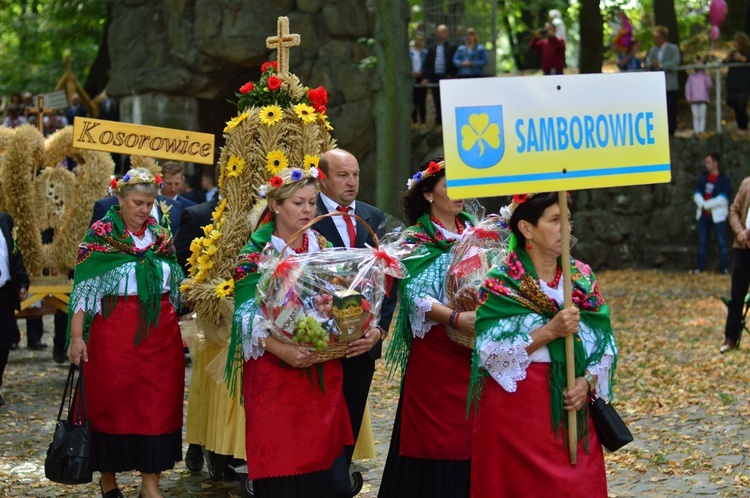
{"x": 430, "y": 452}
{"x": 124, "y": 327}
{"x": 294, "y": 428}
{"x": 520, "y": 434}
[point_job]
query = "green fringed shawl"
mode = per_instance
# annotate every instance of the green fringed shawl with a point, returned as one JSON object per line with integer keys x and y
{"x": 107, "y": 255}
{"x": 429, "y": 246}
{"x": 246, "y": 277}
{"x": 511, "y": 291}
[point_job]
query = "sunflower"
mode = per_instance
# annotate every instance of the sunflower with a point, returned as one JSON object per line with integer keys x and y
{"x": 235, "y": 166}
{"x": 324, "y": 118}
{"x": 305, "y": 112}
{"x": 232, "y": 123}
{"x": 270, "y": 115}
{"x": 224, "y": 289}
{"x": 276, "y": 161}
{"x": 184, "y": 286}
{"x": 310, "y": 161}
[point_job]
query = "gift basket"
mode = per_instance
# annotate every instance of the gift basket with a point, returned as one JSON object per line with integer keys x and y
{"x": 470, "y": 260}
{"x": 327, "y": 299}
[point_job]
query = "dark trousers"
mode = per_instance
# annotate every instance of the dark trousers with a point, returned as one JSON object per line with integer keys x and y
{"x": 738, "y": 103}
{"x": 705, "y": 225}
{"x": 358, "y": 373}
{"x": 672, "y": 98}
{"x": 35, "y": 329}
{"x": 419, "y": 101}
{"x": 435, "y": 91}
{"x": 740, "y": 284}
{"x": 7, "y": 327}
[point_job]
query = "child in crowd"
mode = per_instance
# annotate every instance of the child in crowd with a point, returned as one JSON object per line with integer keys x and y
{"x": 697, "y": 90}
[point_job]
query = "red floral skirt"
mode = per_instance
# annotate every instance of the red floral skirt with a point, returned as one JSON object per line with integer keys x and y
{"x": 516, "y": 453}
{"x": 434, "y": 423}
{"x": 292, "y": 427}
{"x": 135, "y": 389}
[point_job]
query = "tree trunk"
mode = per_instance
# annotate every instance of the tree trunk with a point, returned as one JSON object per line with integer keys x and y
{"x": 98, "y": 76}
{"x": 392, "y": 102}
{"x": 592, "y": 37}
{"x": 665, "y": 15}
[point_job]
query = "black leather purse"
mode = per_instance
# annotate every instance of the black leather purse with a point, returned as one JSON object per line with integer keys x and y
{"x": 68, "y": 459}
{"x": 612, "y": 431}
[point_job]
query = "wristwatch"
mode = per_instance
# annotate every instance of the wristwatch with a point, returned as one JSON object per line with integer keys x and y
{"x": 590, "y": 379}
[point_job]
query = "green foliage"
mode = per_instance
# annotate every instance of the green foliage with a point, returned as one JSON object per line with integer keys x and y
{"x": 36, "y": 35}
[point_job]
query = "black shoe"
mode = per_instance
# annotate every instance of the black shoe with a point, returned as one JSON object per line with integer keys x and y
{"x": 194, "y": 458}
{"x": 2, "y": 400}
{"x": 36, "y": 346}
{"x": 59, "y": 355}
{"x": 13, "y": 346}
{"x": 112, "y": 493}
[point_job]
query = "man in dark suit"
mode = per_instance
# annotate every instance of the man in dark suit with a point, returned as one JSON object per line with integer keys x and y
{"x": 172, "y": 221}
{"x": 174, "y": 177}
{"x": 14, "y": 284}
{"x": 192, "y": 221}
{"x": 338, "y": 192}
{"x": 438, "y": 65}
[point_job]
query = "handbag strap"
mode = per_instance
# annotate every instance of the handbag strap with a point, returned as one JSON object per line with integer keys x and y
{"x": 68, "y": 388}
{"x": 80, "y": 399}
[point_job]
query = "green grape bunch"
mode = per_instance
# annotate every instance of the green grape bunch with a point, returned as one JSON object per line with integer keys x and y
{"x": 310, "y": 332}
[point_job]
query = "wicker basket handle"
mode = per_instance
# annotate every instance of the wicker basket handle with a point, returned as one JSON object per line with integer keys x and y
{"x": 330, "y": 215}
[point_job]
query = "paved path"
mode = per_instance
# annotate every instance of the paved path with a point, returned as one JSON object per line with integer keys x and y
{"x": 689, "y": 441}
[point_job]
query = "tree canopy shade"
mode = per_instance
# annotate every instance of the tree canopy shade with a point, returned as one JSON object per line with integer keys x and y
{"x": 36, "y": 35}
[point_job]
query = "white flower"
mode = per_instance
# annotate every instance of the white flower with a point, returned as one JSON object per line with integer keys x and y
{"x": 506, "y": 214}
{"x": 410, "y": 183}
{"x": 313, "y": 171}
{"x": 262, "y": 190}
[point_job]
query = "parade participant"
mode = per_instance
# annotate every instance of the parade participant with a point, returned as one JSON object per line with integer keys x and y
{"x": 14, "y": 284}
{"x": 294, "y": 429}
{"x": 739, "y": 221}
{"x": 174, "y": 178}
{"x": 338, "y": 192}
{"x": 520, "y": 432}
{"x": 123, "y": 329}
{"x": 430, "y": 451}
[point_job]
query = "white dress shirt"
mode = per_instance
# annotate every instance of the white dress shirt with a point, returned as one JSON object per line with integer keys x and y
{"x": 4, "y": 260}
{"x": 339, "y": 221}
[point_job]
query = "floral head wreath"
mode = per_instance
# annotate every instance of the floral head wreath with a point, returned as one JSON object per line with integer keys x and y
{"x": 141, "y": 176}
{"x": 432, "y": 169}
{"x": 297, "y": 174}
{"x": 506, "y": 213}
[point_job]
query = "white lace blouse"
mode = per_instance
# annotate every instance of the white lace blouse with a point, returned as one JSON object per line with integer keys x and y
{"x": 429, "y": 287}
{"x": 507, "y": 360}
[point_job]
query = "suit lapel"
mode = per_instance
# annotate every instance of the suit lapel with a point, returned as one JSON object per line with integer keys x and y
{"x": 362, "y": 233}
{"x": 327, "y": 227}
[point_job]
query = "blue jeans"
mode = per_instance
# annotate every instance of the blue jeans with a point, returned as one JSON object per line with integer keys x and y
{"x": 705, "y": 224}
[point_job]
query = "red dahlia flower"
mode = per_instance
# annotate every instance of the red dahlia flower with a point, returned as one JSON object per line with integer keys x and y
{"x": 247, "y": 87}
{"x": 276, "y": 181}
{"x": 318, "y": 98}
{"x": 274, "y": 83}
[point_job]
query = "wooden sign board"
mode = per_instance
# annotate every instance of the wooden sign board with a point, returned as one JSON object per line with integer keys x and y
{"x": 55, "y": 100}
{"x": 517, "y": 135}
{"x": 152, "y": 141}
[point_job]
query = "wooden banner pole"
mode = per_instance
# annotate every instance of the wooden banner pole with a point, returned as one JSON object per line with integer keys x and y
{"x": 570, "y": 373}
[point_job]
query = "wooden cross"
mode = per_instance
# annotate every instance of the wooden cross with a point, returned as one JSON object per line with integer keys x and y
{"x": 40, "y": 111}
{"x": 281, "y": 42}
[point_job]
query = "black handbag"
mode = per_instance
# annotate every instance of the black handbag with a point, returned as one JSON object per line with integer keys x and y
{"x": 68, "y": 459}
{"x": 612, "y": 431}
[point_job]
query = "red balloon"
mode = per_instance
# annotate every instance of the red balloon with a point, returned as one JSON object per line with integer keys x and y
{"x": 717, "y": 13}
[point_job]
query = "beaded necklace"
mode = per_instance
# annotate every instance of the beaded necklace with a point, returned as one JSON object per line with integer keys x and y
{"x": 459, "y": 224}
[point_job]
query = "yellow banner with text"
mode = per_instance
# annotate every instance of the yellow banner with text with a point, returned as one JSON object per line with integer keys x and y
{"x": 127, "y": 138}
{"x": 513, "y": 135}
